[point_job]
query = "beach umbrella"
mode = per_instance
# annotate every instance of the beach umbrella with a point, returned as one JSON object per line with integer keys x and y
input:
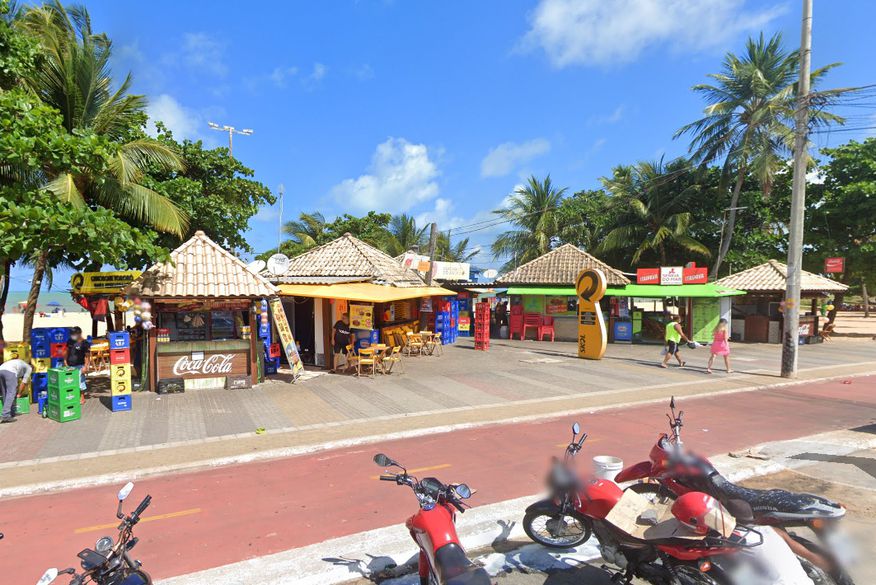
{"x": 53, "y": 304}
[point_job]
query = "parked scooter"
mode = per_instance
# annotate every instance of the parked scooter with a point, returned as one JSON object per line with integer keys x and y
{"x": 442, "y": 558}
{"x": 671, "y": 472}
{"x": 690, "y": 542}
{"x": 109, "y": 563}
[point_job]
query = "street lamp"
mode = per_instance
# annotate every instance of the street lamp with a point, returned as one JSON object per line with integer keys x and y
{"x": 231, "y": 131}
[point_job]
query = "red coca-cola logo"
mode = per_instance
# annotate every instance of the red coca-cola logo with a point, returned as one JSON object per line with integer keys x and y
{"x": 219, "y": 363}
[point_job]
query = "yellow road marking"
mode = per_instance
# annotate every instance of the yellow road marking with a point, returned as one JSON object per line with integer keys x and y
{"x": 188, "y": 512}
{"x": 420, "y": 469}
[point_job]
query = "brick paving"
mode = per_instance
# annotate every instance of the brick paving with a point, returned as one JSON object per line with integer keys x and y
{"x": 513, "y": 379}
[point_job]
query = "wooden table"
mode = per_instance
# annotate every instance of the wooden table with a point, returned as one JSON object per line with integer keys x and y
{"x": 377, "y": 350}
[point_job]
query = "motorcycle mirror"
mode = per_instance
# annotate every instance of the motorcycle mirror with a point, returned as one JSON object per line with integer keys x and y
{"x": 463, "y": 491}
{"x": 576, "y": 428}
{"x": 49, "y": 576}
{"x": 382, "y": 460}
{"x": 672, "y": 403}
{"x": 125, "y": 491}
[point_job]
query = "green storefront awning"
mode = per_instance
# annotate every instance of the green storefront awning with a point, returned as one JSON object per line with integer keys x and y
{"x": 652, "y": 291}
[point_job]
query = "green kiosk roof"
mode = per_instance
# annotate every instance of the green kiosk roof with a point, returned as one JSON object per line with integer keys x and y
{"x": 654, "y": 291}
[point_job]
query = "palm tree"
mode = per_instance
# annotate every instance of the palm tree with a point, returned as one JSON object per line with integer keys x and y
{"x": 404, "y": 235}
{"x": 652, "y": 200}
{"x": 74, "y": 77}
{"x": 533, "y": 210}
{"x": 308, "y": 230}
{"x": 749, "y": 119}
{"x": 447, "y": 251}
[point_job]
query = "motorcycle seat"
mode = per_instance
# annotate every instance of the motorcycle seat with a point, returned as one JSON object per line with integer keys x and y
{"x": 455, "y": 568}
{"x": 775, "y": 503}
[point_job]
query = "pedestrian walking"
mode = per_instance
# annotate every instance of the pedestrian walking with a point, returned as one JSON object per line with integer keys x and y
{"x": 79, "y": 357}
{"x": 672, "y": 338}
{"x": 341, "y": 341}
{"x": 720, "y": 346}
{"x": 14, "y": 375}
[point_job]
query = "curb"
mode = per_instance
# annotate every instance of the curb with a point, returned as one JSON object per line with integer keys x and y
{"x": 339, "y": 560}
{"x": 112, "y": 478}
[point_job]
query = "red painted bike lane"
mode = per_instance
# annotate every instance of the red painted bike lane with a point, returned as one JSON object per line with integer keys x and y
{"x": 218, "y": 516}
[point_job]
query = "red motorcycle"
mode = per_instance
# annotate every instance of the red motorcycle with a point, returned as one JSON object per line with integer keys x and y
{"x": 619, "y": 520}
{"x": 671, "y": 472}
{"x": 442, "y": 558}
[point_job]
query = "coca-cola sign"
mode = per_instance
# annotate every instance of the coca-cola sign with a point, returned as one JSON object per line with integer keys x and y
{"x": 217, "y": 364}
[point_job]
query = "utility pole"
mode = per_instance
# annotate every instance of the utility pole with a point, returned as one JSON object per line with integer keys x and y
{"x": 433, "y": 241}
{"x": 798, "y": 199}
{"x": 231, "y": 132}
{"x": 281, "y": 191}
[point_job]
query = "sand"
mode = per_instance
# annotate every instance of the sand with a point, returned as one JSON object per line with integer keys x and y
{"x": 14, "y": 322}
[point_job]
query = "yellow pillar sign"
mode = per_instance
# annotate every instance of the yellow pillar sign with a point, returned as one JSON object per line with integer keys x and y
{"x": 592, "y": 336}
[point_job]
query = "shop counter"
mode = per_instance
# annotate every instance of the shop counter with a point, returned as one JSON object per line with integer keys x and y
{"x": 203, "y": 359}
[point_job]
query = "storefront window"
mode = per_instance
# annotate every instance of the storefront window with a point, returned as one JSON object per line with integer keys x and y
{"x": 222, "y": 325}
{"x": 186, "y": 325}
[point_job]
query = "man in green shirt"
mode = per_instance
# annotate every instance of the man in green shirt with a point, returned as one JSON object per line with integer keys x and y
{"x": 673, "y": 337}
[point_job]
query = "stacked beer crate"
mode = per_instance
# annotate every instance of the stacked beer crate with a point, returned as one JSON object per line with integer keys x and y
{"x": 21, "y": 351}
{"x": 482, "y": 326}
{"x": 120, "y": 370}
{"x": 272, "y": 350}
{"x": 40, "y": 349}
{"x": 63, "y": 396}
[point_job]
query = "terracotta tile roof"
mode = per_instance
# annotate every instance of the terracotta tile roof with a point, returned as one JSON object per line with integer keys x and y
{"x": 201, "y": 268}
{"x": 352, "y": 258}
{"x": 560, "y": 266}
{"x": 770, "y": 277}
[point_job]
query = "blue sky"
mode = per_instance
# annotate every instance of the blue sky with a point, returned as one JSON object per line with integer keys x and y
{"x": 441, "y": 108}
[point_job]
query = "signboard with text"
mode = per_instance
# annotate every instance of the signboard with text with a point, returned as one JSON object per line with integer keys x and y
{"x": 834, "y": 265}
{"x": 694, "y": 275}
{"x": 92, "y": 283}
{"x": 287, "y": 340}
{"x": 361, "y": 316}
{"x": 592, "y": 336}
{"x": 671, "y": 275}
{"x": 648, "y": 276}
{"x": 451, "y": 270}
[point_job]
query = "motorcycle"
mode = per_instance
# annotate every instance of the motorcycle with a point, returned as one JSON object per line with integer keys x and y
{"x": 442, "y": 559}
{"x": 671, "y": 472}
{"x": 109, "y": 563}
{"x": 632, "y": 535}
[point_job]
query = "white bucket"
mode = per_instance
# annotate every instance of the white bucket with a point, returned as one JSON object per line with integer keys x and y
{"x": 503, "y": 332}
{"x": 607, "y": 467}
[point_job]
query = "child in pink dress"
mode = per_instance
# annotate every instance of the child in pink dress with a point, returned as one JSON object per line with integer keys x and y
{"x": 720, "y": 346}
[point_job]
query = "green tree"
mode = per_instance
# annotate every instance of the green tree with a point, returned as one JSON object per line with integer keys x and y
{"x": 308, "y": 231}
{"x": 585, "y": 218}
{"x": 371, "y": 228}
{"x": 405, "y": 235}
{"x": 841, "y": 215}
{"x": 532, "y": 210}
{"x": 215, "y": 190}
{"x": 653, "y": 222}
{"x": 312, "y": 229}
{"x": 73, "y": 76}
{"x": 748, "y": 123}
{"x": 448, "y": 251}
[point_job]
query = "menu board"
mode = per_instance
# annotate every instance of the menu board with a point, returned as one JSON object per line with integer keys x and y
{"x": 561, "y": 305}
{"x": 361, "y": 316}
{"x": 706, "y": 313}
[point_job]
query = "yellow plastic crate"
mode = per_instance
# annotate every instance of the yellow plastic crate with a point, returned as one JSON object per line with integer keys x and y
{"x": 16, "y": 351}
{"x": 120, "y": 371}
{"x": 120, "y": 386}
{"x": 41, "y": 365}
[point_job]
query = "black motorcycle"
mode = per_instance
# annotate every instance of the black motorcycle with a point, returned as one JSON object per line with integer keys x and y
{"x": 109, "y": 563}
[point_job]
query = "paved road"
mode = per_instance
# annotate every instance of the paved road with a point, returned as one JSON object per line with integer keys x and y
{"x": 208, "y": 518}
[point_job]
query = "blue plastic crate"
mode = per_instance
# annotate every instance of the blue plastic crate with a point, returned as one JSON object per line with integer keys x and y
{"x": 59, "y": 335}
{"x": 120, "y": 403}
{"x": 40, "y": 334}
{"x": 57, "y": 363}
{"x": 265, "y": 330}
{"x": 40, "y": 382}
{"x": 40, "y": 349}
{"x": 119, "y": 340}
{"x": 271, "y": 365}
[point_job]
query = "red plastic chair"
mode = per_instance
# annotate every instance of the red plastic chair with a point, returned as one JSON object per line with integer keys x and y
{"x": 515, "y": 325}
{"x": 531, "y": 320}
{"x": 547, "y": 326}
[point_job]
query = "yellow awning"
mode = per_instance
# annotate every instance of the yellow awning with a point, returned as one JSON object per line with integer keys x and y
{"x": 361, "y": 291}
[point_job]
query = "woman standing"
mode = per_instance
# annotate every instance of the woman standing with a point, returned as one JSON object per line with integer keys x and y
{"x": 720, "y": 346}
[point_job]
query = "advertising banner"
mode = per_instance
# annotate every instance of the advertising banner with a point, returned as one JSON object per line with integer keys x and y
{"x": 286, "y": 337}
{"x": 88, "y": 283}
{"x": 671, "y": 275}
{"x": 695, "y": 275}
{"x": 451, "y": 271}
{"x": 834, "y": 265}
{"x": 648, "y": 276}
{"x": 361, "y": 316}
{"x": 592, "y": 337}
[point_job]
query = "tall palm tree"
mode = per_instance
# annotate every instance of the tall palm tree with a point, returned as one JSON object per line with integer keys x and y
{"x": 74, "y": 77}
{"x": 652, "y": 199}
{"x": 308, "y": 230}
{"x": 532, "y": 209}
{"x": 749, "y": 119}
{"x": 405, "y": 235}
{"x": 447, "y": 251}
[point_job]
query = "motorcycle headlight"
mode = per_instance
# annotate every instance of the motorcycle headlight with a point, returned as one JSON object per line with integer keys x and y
{"x": 104, "y": 545}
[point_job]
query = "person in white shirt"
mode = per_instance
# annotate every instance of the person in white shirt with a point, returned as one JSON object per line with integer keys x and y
{"x": 14, "y": 375}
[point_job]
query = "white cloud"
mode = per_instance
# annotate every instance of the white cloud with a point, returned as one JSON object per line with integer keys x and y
{"x": 400, "y": 176}
{"x": 601, "y": 32}
{"x": 508, "y": 156}
{"x": 613, "y": 118}
{"x": 319, "y": 71}
{"x": 201, "y": 51}
{"x": 183, "y": 122}
{"x": 364, "y": 73}
{"x": 280, "y": 75}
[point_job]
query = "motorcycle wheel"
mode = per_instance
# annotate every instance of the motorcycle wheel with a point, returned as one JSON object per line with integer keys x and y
{"x": 544, "y": 529}
{"x": 837, "y": 577}
{"x": 688, "y": 575}
{"x": 653, "y": 492}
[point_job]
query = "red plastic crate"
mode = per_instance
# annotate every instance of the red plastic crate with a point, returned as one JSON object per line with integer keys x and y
{"x": 120, "y": 356}
{"x": 58, "y": 350}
